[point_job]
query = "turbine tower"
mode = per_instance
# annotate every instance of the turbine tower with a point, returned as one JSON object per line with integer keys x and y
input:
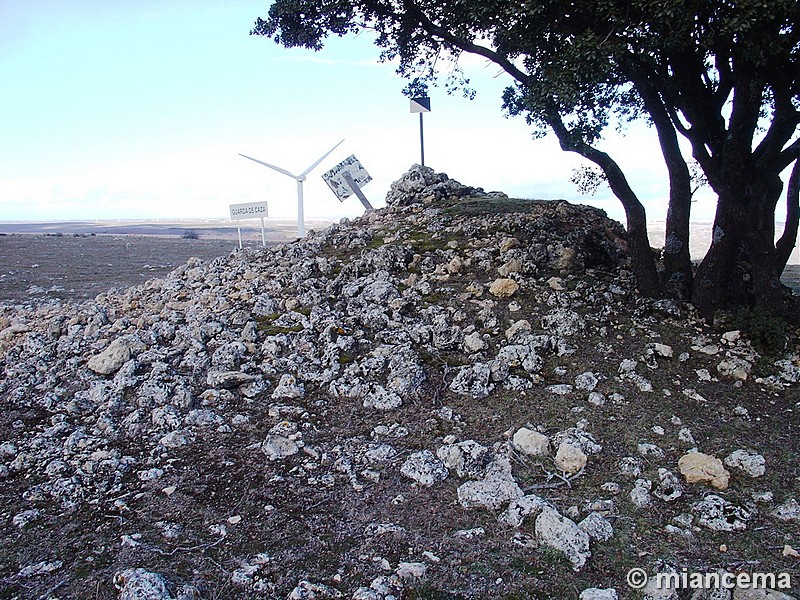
{"x": 301, "y": 226}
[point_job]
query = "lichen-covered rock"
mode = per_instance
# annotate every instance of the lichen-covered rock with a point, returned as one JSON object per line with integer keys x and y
{"x": 598, "y": 594}
{"x": 562, "y": 534}
{"x": 752, "y": 463}
{"x": 467, "y": 458}
{"x": 718, "y": 514}
{"x": 140, "y": 584}
{"x": 424, "y": 468}
{"x": 497, "y": 488}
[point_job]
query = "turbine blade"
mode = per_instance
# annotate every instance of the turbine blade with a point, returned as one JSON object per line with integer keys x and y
{"x": 278, "y": 169}
{"x": 321, "y": 158}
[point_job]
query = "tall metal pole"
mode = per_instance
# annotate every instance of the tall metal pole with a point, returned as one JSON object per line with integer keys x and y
{"x": 421, "y": 141}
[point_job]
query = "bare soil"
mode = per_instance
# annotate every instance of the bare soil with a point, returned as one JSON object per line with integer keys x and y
{"x": 36, "y": 268}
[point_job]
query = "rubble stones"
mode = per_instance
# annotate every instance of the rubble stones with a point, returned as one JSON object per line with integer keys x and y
{"x": 752, "y": 463}
{"x": 140, "y": 584}
{"x": 531, "y": 442}
{"x": 736, "y": 368}
{"x": 497, "y": 488}
{"x": 718, "y": 514}
{"x": 424, "y": 468}
{"x": 262, "y": 363}
{"x": 697, "y": 467}
{"x": 562, "y": 534}
{"x": 111, "y": 359}
{"x": 569, "y": 458}
{"x": 422, "y": 184}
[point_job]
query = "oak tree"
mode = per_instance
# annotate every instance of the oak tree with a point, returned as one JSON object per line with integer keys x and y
{"x": 722, "y": 74}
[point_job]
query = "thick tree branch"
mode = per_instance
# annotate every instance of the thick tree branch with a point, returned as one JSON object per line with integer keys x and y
{"x": 464, "y": 45}
{"x": 790, "y": 154}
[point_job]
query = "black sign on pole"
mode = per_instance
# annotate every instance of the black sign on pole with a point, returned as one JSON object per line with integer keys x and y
{"x": 421, "y": 105}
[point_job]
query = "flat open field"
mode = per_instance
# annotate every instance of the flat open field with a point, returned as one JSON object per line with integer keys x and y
{"x": 78, "y": 260}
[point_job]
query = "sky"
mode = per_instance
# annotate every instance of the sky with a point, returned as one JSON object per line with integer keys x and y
{"x": 139, "y": 110}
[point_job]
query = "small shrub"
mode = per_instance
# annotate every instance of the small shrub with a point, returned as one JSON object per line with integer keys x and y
{"x": 767, "y": 332}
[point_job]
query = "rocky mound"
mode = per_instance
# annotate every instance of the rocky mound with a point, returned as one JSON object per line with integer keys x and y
{"x": 458, "y": 396}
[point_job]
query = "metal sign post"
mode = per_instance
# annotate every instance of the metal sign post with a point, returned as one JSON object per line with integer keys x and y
{"x": 249, "y": 210}
{"x": 347, "y": 178}
{"x": 421, "y": 106}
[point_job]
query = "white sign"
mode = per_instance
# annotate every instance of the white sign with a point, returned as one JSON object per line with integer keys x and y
{"x": 336, "y": 180}
{"x": 250, "y": 210}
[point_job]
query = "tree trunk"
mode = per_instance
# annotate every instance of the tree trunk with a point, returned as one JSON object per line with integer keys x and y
{"x": 742, "y": 266}
{"x": 677, "y": 277}
{"x": 643, "y": 263}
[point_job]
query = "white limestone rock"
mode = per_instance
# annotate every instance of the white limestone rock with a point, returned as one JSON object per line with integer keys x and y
{"x": 669, "y": 487}
{"x": 521, "y": 508}
{"x": 288, "y": 388}
{"x": 736, "y": 368}
{"x": 640, "y": 494}
{"x": 110, "y": 360}
{"x": 497, "y": 488}
{"x": 474, "y": 342}
{"x": 278, "y": 447}
{"x": 140, "y": 584}
{"x": 598, "y": 594}
{"x": 569, "y": 458}
{"x": 307, "y": 590}
{"x": 424, "y": 468}
{"x": 467, "y": 458}
{"x": 597, "y": 527}
{"x": 752, "y": 463}
{"x": 531, "y": 442}
{"x": 411, "y": 570}
{"x": 718, "y": 514}
{"x": 788, "y": 512}
{"x": 562, "y": 534}
{"x": 586, "y": 382}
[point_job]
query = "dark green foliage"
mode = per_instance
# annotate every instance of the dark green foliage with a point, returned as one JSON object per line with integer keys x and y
{"x": 767, "y": 332}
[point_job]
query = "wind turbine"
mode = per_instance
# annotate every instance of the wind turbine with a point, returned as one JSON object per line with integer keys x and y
{"x": 301, "y": 226}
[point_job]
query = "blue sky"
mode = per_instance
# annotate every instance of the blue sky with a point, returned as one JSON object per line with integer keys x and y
{"x": 140, "y": 109}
